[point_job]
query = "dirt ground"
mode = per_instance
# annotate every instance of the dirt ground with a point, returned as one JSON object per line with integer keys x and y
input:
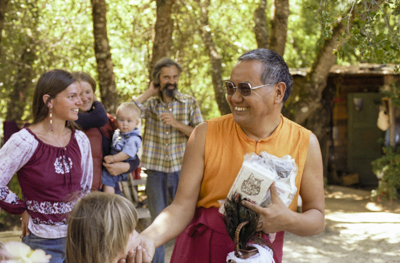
{"x": 357, "y": 230}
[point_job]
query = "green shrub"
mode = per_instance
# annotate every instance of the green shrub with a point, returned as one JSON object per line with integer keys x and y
{"x": 387, "y": 169}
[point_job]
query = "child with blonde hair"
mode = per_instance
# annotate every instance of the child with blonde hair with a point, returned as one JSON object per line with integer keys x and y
{"x": 125, "y": 144}
{"x": 101, "y": 229}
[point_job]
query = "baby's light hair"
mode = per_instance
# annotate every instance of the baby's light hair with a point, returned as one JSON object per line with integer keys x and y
{"x": 129, "y": 106}
{"x": 99, "y": 227}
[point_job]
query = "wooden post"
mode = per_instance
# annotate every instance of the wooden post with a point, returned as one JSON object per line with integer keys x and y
{"x": 387, "y": 80}
{"x": 392, "y": 124}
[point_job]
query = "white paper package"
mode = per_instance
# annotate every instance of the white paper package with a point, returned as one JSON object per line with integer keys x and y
{"x": 253, "y": 182}
{"x": 286, "y": 183}
{"x": 257, "y": 174}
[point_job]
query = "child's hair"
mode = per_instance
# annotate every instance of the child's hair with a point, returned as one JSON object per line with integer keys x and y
{"x": 130, "y": 106}
{"x": 99, "y": 227}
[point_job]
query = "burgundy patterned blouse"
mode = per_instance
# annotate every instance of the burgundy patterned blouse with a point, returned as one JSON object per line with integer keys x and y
{"x": 51, "y": 178}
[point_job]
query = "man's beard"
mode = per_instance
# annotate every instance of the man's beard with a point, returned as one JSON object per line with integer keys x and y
{"x": 170, "y": 92}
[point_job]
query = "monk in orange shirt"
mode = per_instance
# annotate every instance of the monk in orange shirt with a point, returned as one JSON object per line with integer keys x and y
{"x": 259, "y": 85}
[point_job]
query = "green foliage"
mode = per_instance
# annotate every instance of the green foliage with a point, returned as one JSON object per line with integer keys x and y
{"x": 393, "y": 93}
{"x": 229, "y": 38}
{"x": 372, "y": 30}
{"x": 62, "y": 34}
{"x": 130, "y": 30}
{"x": 18, "y": 35}
{"x": 388, "y": 169}
{"x": 303, "y": 34}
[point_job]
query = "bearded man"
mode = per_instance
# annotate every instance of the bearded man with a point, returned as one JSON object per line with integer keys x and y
{"x": 170, "y": 119}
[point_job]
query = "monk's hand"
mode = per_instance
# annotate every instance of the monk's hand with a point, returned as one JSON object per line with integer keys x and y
{"x": 134, "y": 256}
{"x": 273, "y": 218}
{"x": 148, "y": 246}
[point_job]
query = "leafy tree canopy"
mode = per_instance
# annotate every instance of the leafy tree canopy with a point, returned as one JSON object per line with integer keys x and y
{"x": 62, "y": 35}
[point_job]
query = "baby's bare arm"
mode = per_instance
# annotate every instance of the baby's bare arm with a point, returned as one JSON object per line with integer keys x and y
{"x": 119, "y": 157}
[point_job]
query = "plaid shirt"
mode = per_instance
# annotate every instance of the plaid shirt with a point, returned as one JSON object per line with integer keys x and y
{"x": 163, "y": 146}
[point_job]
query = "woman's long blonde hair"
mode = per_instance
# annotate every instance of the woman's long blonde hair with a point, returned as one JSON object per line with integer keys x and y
{"x": 99, "y": 227}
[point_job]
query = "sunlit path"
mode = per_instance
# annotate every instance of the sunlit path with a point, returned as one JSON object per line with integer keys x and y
{"x": 353, "y": 232}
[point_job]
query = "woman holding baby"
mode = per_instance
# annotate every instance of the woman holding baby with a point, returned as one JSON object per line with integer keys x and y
{"x": 99, "y": 127}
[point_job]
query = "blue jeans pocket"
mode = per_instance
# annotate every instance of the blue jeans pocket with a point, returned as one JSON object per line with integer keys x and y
{"x": 54, "y": 247}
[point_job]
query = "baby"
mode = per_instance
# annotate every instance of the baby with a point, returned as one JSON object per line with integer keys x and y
{"x": 126, "y": 142}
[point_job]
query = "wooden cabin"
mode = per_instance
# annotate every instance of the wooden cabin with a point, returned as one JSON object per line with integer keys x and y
{"x": 355, "y": 139}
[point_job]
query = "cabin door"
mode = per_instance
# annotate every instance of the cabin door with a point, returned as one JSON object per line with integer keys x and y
{"x": 363, "y": 135}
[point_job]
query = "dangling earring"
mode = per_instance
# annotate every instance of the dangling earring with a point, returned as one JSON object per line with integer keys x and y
{"x": 51, "y": 119}
{"x": 67, "y": 123}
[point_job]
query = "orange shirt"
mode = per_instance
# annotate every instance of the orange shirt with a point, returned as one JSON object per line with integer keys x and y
{"x": 226, "y": 145}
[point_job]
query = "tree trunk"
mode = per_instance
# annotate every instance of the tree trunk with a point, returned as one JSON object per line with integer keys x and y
{"x": 17, "y": 98}
{"x": 3, "y": 7}
{"x": 260, "y": 25}
{"x": 105, "y": 68}
{"x": 315, "y": 81}
{"x": 163, "y": 32}
{"x": 215, "y": 58}
{"x": 279, "y": 24}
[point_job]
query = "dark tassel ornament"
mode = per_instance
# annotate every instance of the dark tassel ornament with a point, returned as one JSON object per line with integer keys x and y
{"x": 236, "y": 214}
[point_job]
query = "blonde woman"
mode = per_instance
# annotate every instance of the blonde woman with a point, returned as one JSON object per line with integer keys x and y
{"x": 99, "y": 127}
{"x": 102, "y": 230}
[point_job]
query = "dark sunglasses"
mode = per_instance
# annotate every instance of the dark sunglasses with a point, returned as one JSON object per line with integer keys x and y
{"x": 244, "y": 88}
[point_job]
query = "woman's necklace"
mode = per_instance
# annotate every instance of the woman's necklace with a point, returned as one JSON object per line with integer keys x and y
{"x": 50, "y": 138}
{"x": 59, "y": 144}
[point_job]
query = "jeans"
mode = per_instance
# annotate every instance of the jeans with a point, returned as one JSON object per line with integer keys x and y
{"x": 159, "y": 187}
{"x": 54, "y": 247}
{"x": 110, "y": 180}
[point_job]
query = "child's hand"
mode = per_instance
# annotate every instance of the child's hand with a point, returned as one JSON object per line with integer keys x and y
{"x": 109, "y": 159}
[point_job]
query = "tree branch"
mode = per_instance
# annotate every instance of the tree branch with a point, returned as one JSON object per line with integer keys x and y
{"x": 215, "y": 58}
{"x": 260, "y": 25}
{"x": 279, "y": 25}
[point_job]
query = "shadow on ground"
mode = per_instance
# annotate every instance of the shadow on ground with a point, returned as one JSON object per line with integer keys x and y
{"x": 357, "y": 230}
